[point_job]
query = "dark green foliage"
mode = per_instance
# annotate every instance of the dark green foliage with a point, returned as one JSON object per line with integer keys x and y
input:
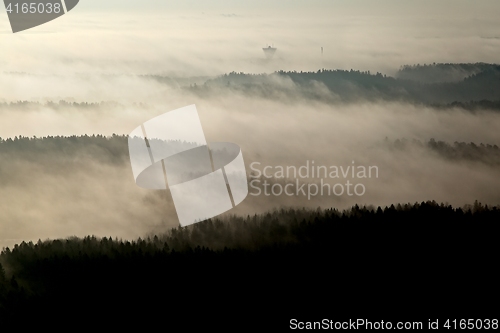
{"x": 103, "y": 149}
{"x": 439, "y": 73}
{"x": 458, "y": 151}
{"x": 415, "y": 84}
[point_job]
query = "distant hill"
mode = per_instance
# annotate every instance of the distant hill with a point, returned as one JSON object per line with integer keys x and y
{"x": 468, "y": 86}
{"x": 440, "y": 73}
{"x": 476, "y": 82}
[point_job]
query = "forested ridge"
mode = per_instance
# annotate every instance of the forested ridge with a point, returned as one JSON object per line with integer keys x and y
{"x": 458, "y": 151}
{"x": 442, "y": 72}
{"x": 414, "y": 84}
{"x": 114, "y": 149}
{"x": 276, "y": 260}
{"x": 467, "y": 86}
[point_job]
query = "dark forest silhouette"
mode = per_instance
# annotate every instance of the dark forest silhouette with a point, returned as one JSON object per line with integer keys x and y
{"x": 474, "y": 83}
{"x": 114, "y": 149}
{"x": 274, "y": 265}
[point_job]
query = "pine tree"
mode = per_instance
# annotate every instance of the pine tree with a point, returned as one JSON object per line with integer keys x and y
{"x": 2, "y": 274}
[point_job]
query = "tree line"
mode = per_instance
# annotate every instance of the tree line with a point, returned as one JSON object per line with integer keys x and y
{"x": 258, "y": 263}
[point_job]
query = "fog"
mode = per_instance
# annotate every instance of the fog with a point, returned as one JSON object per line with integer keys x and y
{"x": 196, "y": 39}
{"x": 60, "y": 192}
{"x": 52, "y": 190}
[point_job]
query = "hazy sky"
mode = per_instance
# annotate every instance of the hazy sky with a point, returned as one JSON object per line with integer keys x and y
{"x": 325, "y": 7}
{"x": 189, "y": 38}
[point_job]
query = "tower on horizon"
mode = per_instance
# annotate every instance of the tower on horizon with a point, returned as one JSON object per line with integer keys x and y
{"x": 269, "y": 51}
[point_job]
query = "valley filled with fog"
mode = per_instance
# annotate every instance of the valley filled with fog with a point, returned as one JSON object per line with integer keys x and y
{"x": 343, "y": 89}
{"x": 65, "y": 169}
